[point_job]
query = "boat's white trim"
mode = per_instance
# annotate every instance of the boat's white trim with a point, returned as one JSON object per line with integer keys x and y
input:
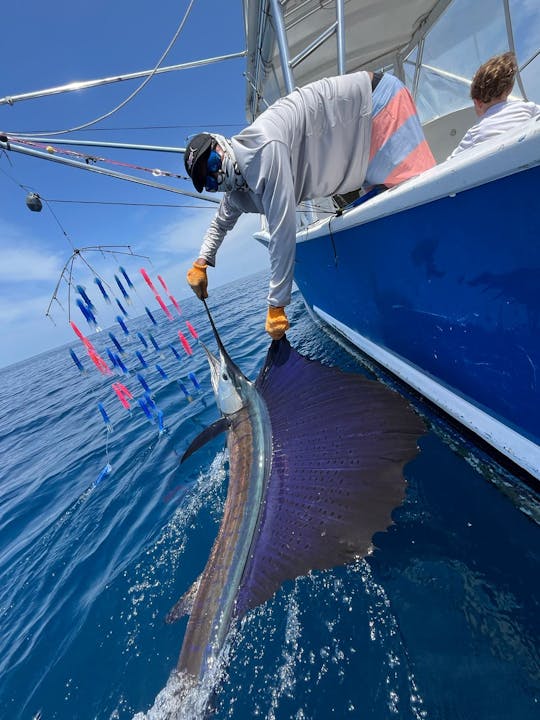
{"x": 517, "y": 448}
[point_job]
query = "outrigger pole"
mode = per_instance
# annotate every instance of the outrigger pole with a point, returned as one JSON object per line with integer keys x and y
{"x": 9, "y": 146}
{"x": 83, "y": 85}
{"x": 97, "y": 143}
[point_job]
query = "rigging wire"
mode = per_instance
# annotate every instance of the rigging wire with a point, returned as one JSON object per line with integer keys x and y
{"x": 17, "y": 183}
{"x": 136, "y": 204}
{"x": 137, "y": 89}
{"x": 321, "y": 210}
{"x": 301, "y": 207}
{"x": 143, "y": 127}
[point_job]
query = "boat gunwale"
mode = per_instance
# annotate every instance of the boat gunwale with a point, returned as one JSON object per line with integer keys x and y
{"x": 516, "y": 151}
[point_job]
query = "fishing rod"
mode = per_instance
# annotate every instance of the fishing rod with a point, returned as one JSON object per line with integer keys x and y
{"x": 6, "y": 145}
{"x": 84, "y": 84}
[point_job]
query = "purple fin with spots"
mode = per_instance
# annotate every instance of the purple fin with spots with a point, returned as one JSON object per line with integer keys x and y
{"x": 340, "y": 442}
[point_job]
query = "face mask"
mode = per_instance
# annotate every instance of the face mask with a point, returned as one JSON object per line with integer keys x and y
{"x": 213, "y": 165}
{"x": 211, "y": 184}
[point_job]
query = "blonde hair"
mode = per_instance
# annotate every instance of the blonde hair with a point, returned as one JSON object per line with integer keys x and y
{"x": 495, "y": 78}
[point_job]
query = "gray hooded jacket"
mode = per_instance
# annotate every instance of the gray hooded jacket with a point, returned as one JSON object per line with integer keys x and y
{"x": 310, "y": 144}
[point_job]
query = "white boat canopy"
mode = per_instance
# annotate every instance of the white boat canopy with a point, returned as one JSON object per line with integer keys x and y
{"x": 375, "y": 32}
{"x": 435, "y": 47}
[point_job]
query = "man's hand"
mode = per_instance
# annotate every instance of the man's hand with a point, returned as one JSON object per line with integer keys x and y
{"x": 276, "y": 322}
{"x": 196, "y": 277}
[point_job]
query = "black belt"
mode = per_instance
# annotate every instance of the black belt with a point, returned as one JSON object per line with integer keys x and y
{"x": 376, "y": 79}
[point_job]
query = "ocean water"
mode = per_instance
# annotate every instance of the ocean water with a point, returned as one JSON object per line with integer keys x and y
{"x": 441, "y": 622}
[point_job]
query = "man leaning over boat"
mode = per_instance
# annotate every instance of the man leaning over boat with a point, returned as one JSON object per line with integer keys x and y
{"x": 330, "y": 137}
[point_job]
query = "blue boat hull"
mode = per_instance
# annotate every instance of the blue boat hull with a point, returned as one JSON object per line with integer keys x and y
{"x": 449, "y": 288}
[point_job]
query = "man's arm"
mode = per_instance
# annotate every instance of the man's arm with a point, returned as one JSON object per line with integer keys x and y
{"x": 278, "y": 199}
{"x": 224, "y": 220}
{"x": 277, "y": 194}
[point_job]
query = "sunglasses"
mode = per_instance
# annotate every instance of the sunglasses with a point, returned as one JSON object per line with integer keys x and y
{"x": 213, "y": 165}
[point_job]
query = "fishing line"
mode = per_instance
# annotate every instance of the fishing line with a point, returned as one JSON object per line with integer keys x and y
{"x": 166, "y": 127}
{"x": 33, "y": 133}
{"x": 133, "y": 204}
{"x": 68, "y": 263}
{"x": 321, "y": 210}
{"x": 135, "y": 92}
{"x": 10, "y": 177}
{"x": 303, "y": 207}
{"x": 4, "y": 152}
{"x": 334, "y": 248}
{"x": 64, "y": 232}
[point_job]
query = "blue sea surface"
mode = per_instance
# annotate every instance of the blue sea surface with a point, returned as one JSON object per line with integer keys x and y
{"x": 441, "y": 622}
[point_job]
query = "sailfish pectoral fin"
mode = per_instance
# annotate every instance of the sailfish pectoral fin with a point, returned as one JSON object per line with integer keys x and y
{"x": 212, "y": 431}
{"x": 184, "y": 606}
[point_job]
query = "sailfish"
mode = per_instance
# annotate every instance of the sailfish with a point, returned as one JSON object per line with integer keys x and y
{"x": 316, "y": 461}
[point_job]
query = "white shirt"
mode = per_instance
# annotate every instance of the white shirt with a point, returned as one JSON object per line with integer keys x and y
{"x": 496, "y": 120}
{"x": 312, "y": 143}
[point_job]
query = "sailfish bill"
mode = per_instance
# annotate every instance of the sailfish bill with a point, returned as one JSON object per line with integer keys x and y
{"x": 316, "y": 461}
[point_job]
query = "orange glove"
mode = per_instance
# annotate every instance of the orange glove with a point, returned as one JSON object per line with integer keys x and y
{"x": 276, "y": 322}
{"x": 196, "y": 277}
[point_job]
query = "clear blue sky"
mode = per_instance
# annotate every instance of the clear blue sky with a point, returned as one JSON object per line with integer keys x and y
{"x": 56, "y": 42}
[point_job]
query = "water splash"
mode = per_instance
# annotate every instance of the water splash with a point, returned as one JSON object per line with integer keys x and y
{"x": 180, "y": 697}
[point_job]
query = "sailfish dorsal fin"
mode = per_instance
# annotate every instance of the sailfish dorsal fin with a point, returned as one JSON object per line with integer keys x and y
{"x": 340, "y": 442}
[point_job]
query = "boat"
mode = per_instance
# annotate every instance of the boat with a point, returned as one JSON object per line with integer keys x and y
{"x": 436, "y": 281}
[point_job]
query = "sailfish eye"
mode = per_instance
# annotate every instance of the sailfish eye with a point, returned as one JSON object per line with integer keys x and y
{"x": 224, "y": 376}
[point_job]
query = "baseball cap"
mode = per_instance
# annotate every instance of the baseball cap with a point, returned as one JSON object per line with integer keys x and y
{"x": 195, "y": 158}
